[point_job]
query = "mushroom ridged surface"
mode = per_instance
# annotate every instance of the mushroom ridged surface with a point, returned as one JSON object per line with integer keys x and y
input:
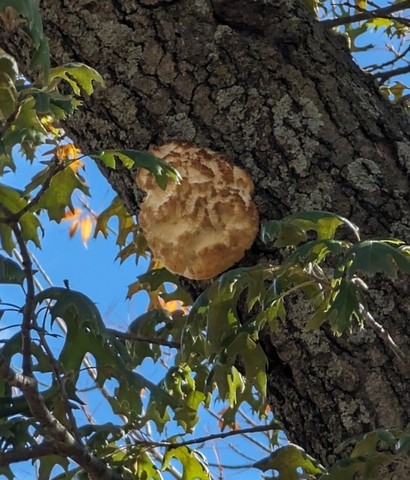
{"x": 199, "y": 227}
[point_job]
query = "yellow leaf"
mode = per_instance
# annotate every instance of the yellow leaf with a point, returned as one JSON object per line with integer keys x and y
{"x": 172, "y": 305}
{"x": 86, "y": 229}
{"x": 68, "y": 152}
{"x": 48, "y": 123}
{"x": 80, "y": 219}
{"x": 397, "y": 90}
{"x": 76, "y": 165}
{"x": 361, "y": 4}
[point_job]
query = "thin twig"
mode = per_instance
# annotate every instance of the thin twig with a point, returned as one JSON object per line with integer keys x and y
{"x": 141, "y": 338}
{"x": 243, "y": 431}
{"x": 365, "y": 15}
{"x": 399, "y": 56}
{"x": 248, "y": 437}
{"x": 383, "y": 76}
{"x": 384, "y": 335}
{"x": 232, "y": 467}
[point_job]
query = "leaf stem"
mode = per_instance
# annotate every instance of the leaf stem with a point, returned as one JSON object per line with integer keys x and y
{"x": 383, "y": 334}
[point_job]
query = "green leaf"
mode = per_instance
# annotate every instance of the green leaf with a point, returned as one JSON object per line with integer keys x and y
{"x": 229, "y": 382}
{"x": 8, "y": 96}
{"x": 46, "y": 465}
{"x": 403, "y": 443}
{"x": 146, "y": 325}
{"x": 366, "y": 468}
{"x": 6, "y": 238}
{"x": 126, "y": 223}
{"x": 317, "y": 251}
{"x": 78, "y": 76}
{"x": 42, "y": 104}
{"x": 373, "y": 256}
{"x": 369, "y": 444}
{"x": 30, "y": 224}
{"x": 8, "y": 66}
{"x": 155, "y": 278}
{"x": 193, "y": 467}
{"x": 293, "y": 229}
{"x": 222, "y": 326}
{"x": 10, "y": 271}
{"x": 287, "y": 460}
{"x": 319, "y": 317}
{"x": 57, "y": 198}
{"x": 73, "y": 305}
{"x": 26, "y": 130}
{"x": 281, "y": 234}
{"x": 11, "y": 199}
{"x": 254, "y": 359}
{"x": 139, "y": 159}
{"x": 146, "y": 470}
{"x": 6, "y": 472}
{"x": 344, "y": 304}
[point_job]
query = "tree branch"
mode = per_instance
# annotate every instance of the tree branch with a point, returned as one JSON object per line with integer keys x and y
{"x": 365, "y": 15}
{"x": 29, "y": 306}
{"x": 21, "y": 454}
{"x": 65, "y": 443}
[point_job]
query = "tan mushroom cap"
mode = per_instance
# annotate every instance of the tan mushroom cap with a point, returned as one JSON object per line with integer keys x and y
{"x": 203, "y": 225}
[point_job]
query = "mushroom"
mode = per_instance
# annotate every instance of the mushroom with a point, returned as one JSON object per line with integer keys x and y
{"x": 201, "y": 226}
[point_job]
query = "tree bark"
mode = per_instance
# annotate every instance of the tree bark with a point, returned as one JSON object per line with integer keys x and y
{"x": 266, "y": 84}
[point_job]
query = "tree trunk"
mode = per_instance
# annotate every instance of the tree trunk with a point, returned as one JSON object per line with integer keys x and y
{"x": 264, "y": 83}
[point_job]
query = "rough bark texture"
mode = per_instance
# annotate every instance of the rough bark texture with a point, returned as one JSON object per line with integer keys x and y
{"x": 262, "y": 82}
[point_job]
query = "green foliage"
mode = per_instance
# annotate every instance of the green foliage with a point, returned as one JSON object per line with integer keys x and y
{"x": 291, "y": 462}
{"x": 138, "y": 159}
{"x": 373, "y": 450}
{"x": 77, "y": 75}
{"x": 10, "y": 271}
{"x": 193, "y": 467}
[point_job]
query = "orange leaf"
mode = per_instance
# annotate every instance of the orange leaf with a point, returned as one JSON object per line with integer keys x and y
{"x": 86, "y": 229}
{"x": 73, "y": 228}
{"x": 68, "y": 152}
{"x": 172, "y": 305}
{"x": 70, "y": 215}
{"x": 76, "y": 165}
{"x": 221, "y": 423}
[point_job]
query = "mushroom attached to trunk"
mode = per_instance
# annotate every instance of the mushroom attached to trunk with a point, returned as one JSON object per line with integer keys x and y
{"x": 201, "y": 226}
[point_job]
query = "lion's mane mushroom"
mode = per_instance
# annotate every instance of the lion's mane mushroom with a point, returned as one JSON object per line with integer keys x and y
{"x": 203, "y": 225}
